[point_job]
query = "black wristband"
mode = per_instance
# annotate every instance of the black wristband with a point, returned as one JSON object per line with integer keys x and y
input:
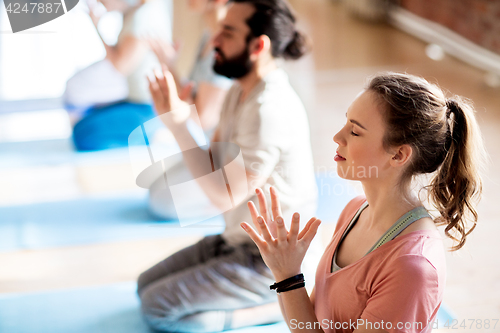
{"x": 292, "y": 287}
{"x": 288, "y": 282}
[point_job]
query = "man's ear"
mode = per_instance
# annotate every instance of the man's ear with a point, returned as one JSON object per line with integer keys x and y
{"x": 401, "y": 156}
{"x": 260, "y": 45}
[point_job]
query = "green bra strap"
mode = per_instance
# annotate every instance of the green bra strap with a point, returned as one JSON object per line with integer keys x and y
{"x": 407, "y": 219}
{"x": 353, "y": 220}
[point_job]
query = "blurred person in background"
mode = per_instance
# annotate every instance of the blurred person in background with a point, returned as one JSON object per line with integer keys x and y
{"x": 206, "y": 89}
{"x": 221, "y": 282}
{"x": 110, "y": 98}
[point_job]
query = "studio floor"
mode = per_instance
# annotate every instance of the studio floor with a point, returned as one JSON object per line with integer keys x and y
{"x": 346, "y": 52}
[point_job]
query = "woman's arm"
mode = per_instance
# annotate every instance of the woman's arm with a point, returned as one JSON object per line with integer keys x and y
{"x": 283, "y": 252}
{"x": 313, "y": 297}
{"x": 126, "y": 54}
{"x": 298, "y": 311}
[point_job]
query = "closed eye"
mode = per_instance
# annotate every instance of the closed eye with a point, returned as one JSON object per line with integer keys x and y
{"x": 354, "y": 134}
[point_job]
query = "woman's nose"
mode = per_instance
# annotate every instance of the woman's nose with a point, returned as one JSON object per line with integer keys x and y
{"x": 338, "y": 139}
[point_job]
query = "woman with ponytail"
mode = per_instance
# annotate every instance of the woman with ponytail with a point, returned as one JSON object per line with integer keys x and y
{"x": 384, "y": 269}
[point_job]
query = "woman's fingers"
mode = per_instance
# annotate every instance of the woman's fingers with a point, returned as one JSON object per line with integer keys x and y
{"x": 313, "y": 230}
{"x": 275, "y": 203}
{"x": 307, "y": 234}
{"x": 281, "y": 230}
{"x": 306, "y": 228}
{"x": 294, "y": 228}
{"x": 264, "y": 212}
{"x": 253, "y": 212}
{"x": 265, "y": 230}
{"x": 253, "y": 234}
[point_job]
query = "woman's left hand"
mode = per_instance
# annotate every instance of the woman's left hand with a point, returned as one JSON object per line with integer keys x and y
{"x": 284, "y": 251}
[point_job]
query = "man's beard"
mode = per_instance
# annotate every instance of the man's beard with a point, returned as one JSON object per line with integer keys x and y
{"x": 235, "y": 67}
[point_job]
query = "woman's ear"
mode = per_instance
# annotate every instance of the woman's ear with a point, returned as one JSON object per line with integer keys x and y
{"x": 401, "y": 156}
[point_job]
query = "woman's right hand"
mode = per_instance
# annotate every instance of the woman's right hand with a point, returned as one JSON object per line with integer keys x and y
{"x": 281, "y": 250}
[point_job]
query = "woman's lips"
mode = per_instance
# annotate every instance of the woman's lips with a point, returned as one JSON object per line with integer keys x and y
{"x": 338, "y": 157}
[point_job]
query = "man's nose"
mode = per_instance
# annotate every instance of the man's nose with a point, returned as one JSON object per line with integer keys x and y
{"x": 216, "y": 40}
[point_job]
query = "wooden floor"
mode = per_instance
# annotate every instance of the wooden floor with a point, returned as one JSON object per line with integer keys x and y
{"x": 346, "y": 51}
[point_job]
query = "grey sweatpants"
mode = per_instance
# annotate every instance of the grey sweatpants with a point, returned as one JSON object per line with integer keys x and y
{"x": 198, "y": 288}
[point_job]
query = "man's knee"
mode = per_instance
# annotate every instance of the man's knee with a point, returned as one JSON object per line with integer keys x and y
{"x": 157, "y": 310}
{"x": 142, "y": 282}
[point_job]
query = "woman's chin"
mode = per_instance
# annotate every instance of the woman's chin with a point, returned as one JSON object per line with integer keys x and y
{"x": 342, "y": 173}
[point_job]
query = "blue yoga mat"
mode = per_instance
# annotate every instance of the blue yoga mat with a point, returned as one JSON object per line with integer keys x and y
{"x": 103, "y": 309}
{"x": 55, "y": 152}
{"x": 103, "y": 219}
{"x": 89, "y": 220}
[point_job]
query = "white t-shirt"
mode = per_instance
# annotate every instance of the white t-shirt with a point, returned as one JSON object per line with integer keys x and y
{"x": 152, "y": 19}
{"x": 272, "y": 130}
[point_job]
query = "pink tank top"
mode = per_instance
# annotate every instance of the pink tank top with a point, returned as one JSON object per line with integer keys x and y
{"x": 397, "y": 287}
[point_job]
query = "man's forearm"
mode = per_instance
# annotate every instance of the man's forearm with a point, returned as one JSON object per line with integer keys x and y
{"x": 196, "y": 163}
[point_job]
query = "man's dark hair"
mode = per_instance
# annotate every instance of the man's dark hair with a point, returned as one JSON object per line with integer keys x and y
{"x": 275, "y": 19}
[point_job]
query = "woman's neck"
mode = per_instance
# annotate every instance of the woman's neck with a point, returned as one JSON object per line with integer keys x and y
{"x": 387, "y": 203}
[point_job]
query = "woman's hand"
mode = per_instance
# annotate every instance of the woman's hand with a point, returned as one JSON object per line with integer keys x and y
{"x": 167, "y": 99}
{"x": 283, "y": 251}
